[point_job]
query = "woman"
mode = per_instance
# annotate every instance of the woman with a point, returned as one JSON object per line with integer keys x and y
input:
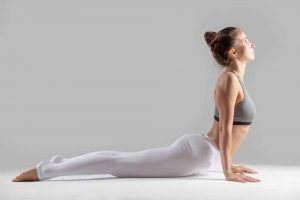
{"x": 190, "y": 153}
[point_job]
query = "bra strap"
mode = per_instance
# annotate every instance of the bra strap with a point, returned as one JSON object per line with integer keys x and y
{"x": 236, "y": 75}
{"x": 239, "y": 80}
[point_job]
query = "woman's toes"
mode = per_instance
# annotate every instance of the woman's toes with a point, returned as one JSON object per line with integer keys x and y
{"x": 30, "y": 175}
{"x": 15, "y": 180}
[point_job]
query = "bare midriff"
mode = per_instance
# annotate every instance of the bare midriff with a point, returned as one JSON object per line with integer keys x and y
{"x": 238, "y": 134}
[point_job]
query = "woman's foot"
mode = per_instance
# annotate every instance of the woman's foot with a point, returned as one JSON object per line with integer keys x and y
{"x": 29, "y": 175}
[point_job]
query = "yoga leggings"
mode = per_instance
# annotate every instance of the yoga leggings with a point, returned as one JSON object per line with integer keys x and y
{"x": 187, "y": 155}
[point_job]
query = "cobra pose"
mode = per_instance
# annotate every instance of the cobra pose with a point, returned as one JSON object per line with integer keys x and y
{"x": 191, "y": 153}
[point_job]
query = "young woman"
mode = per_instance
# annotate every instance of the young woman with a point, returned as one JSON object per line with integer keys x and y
{"x": 190, "y": 153}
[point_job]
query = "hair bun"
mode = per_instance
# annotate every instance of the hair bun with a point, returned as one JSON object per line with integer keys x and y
{"x": 219, "y": 42}
{"x": 210, "y": 37}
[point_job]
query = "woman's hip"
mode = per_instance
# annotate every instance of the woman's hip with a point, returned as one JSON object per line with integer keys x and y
{"x": 196, "y": 149}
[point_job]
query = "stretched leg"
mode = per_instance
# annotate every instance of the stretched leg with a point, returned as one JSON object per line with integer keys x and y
{"x": 178, "y": 159}
{"x": 155, "y": 162}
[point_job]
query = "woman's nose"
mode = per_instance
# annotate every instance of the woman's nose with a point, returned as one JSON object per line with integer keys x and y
{"x": 253, "y": 45}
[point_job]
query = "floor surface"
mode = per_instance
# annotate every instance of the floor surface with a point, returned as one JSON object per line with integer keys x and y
{"x": 277, "y": 182}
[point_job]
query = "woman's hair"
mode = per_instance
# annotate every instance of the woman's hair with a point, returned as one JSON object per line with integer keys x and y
{"x": 220, "y": 42}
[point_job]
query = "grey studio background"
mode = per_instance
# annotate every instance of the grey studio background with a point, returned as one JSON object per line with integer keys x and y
{"x": 82, "y": 76}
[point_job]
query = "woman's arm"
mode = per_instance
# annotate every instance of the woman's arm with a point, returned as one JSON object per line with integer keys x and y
{"x": 226, "y": 96}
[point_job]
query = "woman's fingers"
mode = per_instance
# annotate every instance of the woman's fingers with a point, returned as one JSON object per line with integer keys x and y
{"x": 248, "y": 170}
{"x": 241, "y": 180}
{"x": 237, "y": 179}
{"x": 240, "y": 177}
{"x": 249, "y": 178}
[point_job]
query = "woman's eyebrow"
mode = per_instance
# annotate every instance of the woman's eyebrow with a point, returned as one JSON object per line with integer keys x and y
{"x": 245, "y": 38}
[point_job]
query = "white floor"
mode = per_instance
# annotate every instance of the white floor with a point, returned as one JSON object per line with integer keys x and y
{"x": 278, "y": 182}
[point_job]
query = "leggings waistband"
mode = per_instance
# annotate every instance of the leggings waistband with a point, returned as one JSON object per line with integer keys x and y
{"x": 213, "y": 144}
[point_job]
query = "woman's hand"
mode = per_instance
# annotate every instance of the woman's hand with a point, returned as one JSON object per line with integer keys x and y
{"x": 242, "y": 169}
{"x": 230, "y": 176}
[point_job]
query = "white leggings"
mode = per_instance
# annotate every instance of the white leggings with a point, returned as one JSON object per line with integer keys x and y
{"x": 187, "y": 155}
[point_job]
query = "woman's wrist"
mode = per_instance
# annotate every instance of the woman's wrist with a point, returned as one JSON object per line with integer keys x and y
{"x": 228, "y": 171}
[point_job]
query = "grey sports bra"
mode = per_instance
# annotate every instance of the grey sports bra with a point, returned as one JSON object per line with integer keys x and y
{"x": 244, "y": 111}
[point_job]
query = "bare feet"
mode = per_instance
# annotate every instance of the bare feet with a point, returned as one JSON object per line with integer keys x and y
{"x": 29, "y": 175}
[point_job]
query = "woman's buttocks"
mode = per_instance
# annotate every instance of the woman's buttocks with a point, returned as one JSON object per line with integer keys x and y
{"x": 199, "y": 151}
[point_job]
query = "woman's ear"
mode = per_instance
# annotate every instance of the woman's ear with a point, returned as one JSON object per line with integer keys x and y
{"x": 232, "y": 53}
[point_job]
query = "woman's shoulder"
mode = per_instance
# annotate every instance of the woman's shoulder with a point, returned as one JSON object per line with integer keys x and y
{"x": 226, "y": 79}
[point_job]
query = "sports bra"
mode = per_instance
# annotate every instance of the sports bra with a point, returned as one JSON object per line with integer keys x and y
{"x": 244, "y": 111}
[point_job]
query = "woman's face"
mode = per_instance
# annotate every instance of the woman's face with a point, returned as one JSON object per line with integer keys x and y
{"x": 244, "y": 48}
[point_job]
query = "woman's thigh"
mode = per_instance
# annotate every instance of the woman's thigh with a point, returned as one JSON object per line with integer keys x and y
{"x": 187, "y": 155}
